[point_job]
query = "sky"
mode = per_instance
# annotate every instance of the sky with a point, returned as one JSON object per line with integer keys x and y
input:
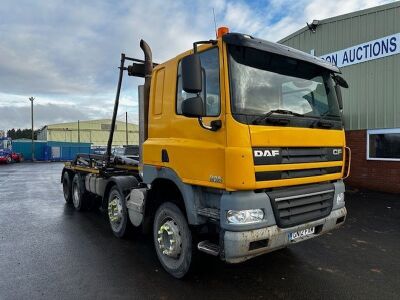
{"x": 66, "y": 53}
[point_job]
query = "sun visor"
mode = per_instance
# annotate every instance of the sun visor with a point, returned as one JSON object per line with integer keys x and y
{"x": 251, "y": 42}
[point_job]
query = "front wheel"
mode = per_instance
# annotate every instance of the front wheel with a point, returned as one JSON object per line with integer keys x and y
{"x": 172, "y": 240}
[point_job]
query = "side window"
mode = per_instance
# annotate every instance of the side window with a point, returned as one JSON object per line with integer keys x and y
{"x": 159, "y": 92}
{"x": 210, "y": 93}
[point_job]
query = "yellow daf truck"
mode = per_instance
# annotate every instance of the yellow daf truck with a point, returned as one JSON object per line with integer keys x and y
{"x": 242, "y": 152}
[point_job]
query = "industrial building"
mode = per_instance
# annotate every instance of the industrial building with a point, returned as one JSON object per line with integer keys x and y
{"x": 366, "y": 46}
{"x": 95, "y": 132}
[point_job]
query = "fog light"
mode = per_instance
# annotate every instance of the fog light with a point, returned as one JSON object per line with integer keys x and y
{"x": 247, "y": 216}
{"x": 340, "y": 198}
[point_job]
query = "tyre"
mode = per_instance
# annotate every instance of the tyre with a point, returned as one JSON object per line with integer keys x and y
{"x": 78, "y": 193}
{"x": 118, "y": 213}
{"x": 9, "y": 160}
{"x": 172, "y": 240}
{"x": 67, "y": 188}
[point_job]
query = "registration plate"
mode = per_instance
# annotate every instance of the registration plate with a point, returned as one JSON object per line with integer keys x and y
{"x": 301, "y": 233}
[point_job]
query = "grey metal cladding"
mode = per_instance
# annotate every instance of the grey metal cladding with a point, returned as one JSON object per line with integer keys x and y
{"x": 372, "y": 99}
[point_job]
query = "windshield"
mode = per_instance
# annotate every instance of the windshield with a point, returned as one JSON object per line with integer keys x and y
{"x": 262, "y": 82}
{"x": 5, "y": 144}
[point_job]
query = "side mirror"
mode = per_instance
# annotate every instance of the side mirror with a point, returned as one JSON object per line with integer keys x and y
{"x": 340, "y": 81}
{"x": 339, "y": 96}
{"x": 193, "y": 107}
{"x": 191, "y": 74}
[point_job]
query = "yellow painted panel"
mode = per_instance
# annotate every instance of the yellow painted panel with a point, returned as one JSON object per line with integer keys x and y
{"x": 192, "y": 160}
{"x": 196, "y": 154}
{"x": 159, "y": 92}
{"x": 274, "y": 136}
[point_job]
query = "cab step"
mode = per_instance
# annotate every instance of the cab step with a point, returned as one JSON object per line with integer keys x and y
{"x": 208, "y": 247}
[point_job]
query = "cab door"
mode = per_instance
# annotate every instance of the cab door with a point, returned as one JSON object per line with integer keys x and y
{"x": 198, "y": 154}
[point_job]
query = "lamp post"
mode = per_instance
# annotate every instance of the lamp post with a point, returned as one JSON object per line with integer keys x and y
{"x": 126, "y": 128}
{"x": 33, "y": 134}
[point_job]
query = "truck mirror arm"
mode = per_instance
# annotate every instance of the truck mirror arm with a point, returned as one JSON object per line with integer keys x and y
{"x": 215, "y": 125}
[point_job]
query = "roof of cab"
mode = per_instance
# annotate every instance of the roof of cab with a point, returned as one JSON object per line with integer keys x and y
{"x": 259, "y": 44}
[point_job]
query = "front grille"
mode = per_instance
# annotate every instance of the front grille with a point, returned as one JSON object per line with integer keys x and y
{"x": 275, "y": 175}
{"x": 299, "y": 205}
{"x": 304, "y": 155}
{"x": 295, "y": 155}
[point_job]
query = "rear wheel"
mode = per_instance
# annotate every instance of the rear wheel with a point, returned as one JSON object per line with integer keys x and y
{"x": 67, "y": 188}
{"x": 172, "y": 240}
{"x": 78, "y": 193}
{"x": 118, "y": 213}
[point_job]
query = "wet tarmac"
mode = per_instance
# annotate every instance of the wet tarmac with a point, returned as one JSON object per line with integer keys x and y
{"x": 50, "y": 251}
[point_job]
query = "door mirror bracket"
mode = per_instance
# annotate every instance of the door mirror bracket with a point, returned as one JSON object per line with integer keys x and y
{"x": 214, "y": 125}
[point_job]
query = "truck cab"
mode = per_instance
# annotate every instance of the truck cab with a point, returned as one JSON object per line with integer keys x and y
{"x": 273, "y": 165}
{"x": 243, "y": 152}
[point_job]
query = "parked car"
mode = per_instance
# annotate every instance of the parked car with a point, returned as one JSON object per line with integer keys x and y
{"x": 5, "y": 157}
{"x": 17, "y": 157}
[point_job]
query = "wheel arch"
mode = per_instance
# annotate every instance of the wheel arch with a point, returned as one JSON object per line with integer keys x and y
{"x": 164, "y": 181}
{"x": 69, "y": 172}
{"x": 123, "y": 183}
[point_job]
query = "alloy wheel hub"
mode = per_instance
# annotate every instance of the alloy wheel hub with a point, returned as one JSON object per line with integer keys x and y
{"x": 115, "y": 211}
{"x": 169, "y": 239}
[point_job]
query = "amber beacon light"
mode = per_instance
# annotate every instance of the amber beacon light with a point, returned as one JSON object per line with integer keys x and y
{"x": 222, "y": 31}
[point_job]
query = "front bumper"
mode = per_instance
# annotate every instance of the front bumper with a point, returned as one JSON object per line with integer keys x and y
{"x": 239, "y": 245}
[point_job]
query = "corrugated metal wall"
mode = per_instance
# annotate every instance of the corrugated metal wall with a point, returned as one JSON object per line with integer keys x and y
{"x": 90, "y": 132}
{"x": 373, "y": 99}
{"x": 50, "y": 151}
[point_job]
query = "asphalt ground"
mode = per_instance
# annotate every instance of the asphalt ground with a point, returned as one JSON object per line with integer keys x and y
{"x": 50, "y": 251}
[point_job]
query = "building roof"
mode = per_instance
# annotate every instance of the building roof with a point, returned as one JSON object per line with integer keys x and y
{"x": 86, "y": 124}
{"x": 344, "y": 17}
{"x": 107, "y": 121}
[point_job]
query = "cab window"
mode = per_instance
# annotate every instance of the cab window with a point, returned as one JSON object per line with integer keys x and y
{"x": 210, "y": 92}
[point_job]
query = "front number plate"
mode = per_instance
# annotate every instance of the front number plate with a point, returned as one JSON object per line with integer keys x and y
{"x": 301, "y": 233}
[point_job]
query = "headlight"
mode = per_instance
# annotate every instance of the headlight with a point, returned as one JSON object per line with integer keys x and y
{"x": 340, "y": 198}
{"x": 247, "y": 216}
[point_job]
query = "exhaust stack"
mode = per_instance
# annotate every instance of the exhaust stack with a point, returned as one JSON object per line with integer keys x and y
{"x": 144, "y": 98}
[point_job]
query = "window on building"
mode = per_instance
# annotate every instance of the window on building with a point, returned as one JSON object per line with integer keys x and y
{"x": 107, "y": 127}
{"x": 210, "y": 93}
{"x": 383, "y": 144}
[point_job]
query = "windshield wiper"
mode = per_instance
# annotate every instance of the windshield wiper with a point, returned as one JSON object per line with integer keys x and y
{"x": 265, "y": 117}
{"x": 323, "y": 123}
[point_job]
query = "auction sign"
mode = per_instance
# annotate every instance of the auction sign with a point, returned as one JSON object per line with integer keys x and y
{"x": 386, "y": 46}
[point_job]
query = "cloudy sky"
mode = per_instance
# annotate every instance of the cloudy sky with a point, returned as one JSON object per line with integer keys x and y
{"x": 66, "y": 53}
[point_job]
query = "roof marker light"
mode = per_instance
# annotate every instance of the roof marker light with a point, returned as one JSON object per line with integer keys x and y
{"x": 222, "y": 31}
